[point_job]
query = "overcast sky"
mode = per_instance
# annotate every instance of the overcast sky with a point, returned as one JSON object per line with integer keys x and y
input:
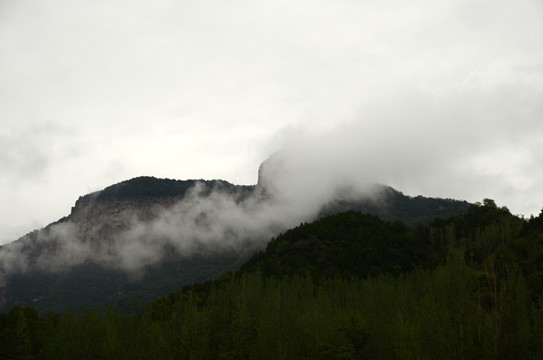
{"x": 439, "y": 98}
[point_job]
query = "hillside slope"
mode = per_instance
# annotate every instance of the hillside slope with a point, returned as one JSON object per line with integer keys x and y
{"x": 145, "y": 237}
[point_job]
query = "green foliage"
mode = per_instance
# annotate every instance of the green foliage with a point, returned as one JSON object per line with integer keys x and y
{"x": 346, "y": 244}
{"x": 62, "y": 291}
{"x": 424, "y": 314}
{"x": 147, "y": 186}
{"x": 20, "y": 333}
{"x": 349, "y": 286}
{"x": 393, "y": 205}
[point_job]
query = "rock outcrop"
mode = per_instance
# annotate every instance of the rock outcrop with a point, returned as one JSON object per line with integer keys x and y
{"x": 144, "y": 237}
{"x": 92, "y": 232}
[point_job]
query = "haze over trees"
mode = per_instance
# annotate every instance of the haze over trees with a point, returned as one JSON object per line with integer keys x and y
{"x": 347, "y": 286}
{"x": 145, "y": 237}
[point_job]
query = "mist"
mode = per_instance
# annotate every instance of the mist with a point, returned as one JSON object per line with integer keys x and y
{"x": 429, "y": 153}
{"x": 202, "y": 223}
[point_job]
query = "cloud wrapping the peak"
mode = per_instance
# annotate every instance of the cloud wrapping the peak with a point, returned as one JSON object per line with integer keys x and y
{"x": 129, "y": 234}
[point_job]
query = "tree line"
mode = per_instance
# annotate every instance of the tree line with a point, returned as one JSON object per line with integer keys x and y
{"x": 348, "y": 286}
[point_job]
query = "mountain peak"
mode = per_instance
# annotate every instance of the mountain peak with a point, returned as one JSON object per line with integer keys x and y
{"x": 147, "y": 221}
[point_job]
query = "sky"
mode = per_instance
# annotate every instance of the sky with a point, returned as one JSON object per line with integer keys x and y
{"x": 438, "y": 98}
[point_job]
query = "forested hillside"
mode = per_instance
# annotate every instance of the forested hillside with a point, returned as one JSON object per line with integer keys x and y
{"x": 142, "y": 238}
{"x": 148, "y": 186}
{"x": 394, "y": 205}
{"x": 347, "y": 286}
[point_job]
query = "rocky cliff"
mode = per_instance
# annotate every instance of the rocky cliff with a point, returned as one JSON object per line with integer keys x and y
{"x": 99, "y": 222}
{"x": 92, "y": 243}
{"x": 144, "y": 237}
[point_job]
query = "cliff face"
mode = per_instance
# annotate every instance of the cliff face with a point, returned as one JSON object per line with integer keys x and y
{"x": 95, "y": 244}
{"x": 169, "y": 233}
{"x": 98, "y": 223}
{"x": 124, "y": 224}
{"x": 97, "y": 229}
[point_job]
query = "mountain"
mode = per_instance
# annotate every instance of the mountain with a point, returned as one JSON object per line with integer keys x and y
{"x": 345, "y": 244}
{"x": 353, "y": 244}
{"x": 345, "y": 286}
{"x": 351, "y": 286}
{"x": 145, "y": 237}
{"x": 393, "y": 205}
{"x": 95, "y": 256}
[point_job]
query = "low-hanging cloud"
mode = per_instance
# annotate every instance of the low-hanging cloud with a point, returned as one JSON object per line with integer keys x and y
{"x": 465, "y": 145}
{"x": 221, "y": 221}
{"x": 429, "y": 153}
{"x": 205, "y": 221}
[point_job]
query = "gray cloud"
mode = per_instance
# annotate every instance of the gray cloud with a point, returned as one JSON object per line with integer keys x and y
{"x": 25, "y": 153}
{"x": 467, "y": 146}
{"x": 203, "y": 223}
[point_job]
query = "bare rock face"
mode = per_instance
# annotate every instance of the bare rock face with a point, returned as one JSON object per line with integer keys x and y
{"x": 121, "y": 242}
{"x": 99, "y": 226}
{"x": 164, "y": 234}
{"x": 89, "y": 234}
{"x": 99, "y": 223}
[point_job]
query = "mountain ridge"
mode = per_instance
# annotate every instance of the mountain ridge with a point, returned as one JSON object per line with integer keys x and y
{"x": 121, "y": 229}
{"x": 346, "y": 286}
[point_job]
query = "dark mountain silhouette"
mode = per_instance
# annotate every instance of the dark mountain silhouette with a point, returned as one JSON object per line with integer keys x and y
{"x": 87, "y": 258}
{"x": 345, "y": 286}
